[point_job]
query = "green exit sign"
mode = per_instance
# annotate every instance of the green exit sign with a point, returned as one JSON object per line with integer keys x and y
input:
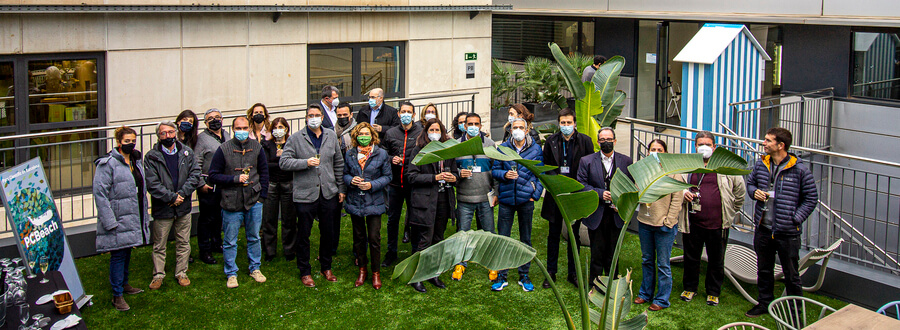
{"x": 471, "y": 56}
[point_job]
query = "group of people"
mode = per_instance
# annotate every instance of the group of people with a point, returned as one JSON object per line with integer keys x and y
{"x": 262, "y": 173}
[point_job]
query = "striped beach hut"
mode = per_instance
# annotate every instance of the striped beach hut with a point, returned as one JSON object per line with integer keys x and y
{"x": 722, "y": 64}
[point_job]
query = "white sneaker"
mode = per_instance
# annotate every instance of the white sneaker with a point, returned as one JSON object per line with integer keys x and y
{"x": 258, "y": 276}
{"x": 232, "y": 282}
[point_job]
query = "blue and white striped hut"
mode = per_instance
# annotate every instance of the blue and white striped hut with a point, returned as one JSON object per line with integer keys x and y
{"x": 723, "y": 63}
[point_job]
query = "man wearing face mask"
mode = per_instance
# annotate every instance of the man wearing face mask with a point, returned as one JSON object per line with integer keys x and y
{"x": 241, "y": 168}
{"x": 330, "y": 104}
{"x": 345, "y": 124}
{"x": 209, "y": 222}
{"x": 171, "y": 175}
{"x": 380, "y": 115}
{"x": 565, "y": 150}
{"x": 474, "y": 185}
{"x": 595, "y": 172}
{"x": 314, "y": 156}
{"x": 709, "y": 209}
{"x": 400, "y": 143}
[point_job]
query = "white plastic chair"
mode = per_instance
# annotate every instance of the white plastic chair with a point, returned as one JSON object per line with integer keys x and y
{"x": 789, "y": 312}
{"x": 742, "y": 326}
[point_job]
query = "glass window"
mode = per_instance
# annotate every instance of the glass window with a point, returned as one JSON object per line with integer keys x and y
{"x": 355, "y": 69}
{"x": 62, "y": 91}
{"x": 515, "y": 39}
{"x": 876, "y": 65}
{"x": 7, "y": 95}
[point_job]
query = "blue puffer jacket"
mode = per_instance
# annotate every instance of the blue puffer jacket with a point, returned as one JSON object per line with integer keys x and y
{"x": 526, "y": 186}
{"x": 795, "y": 193}
{"x": 377, "y": 172}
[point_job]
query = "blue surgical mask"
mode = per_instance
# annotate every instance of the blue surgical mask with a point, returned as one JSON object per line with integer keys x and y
{"x": 405, "y": 118}
{"x": 462, "y": 127}
{"x": 567, "y": 129}
{"x": 241, "y": 135}
{"x": 473, "y": 131}
{"x": 372, "y": 103}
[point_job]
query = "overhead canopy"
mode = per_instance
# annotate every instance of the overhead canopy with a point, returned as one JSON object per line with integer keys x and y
{"x": 706, "y": 46}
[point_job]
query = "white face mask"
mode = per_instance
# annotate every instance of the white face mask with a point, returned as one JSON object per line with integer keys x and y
{"x": 518, "y": 134}
{"x": 278, "y": 132}
{"x": 707, "y": 151}
{"x": 511, "y": 118}
{"x": 430, "y": 116}
{"x": 335, "y": 102}
{"x": 314, "y": 122}
{"x": 434, "y": 136}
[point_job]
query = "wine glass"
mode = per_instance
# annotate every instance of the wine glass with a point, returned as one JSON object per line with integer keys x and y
{"x": 16, "y": 261}
{"x": 318, "y": 156}
{"x": 362, "y": 179}
{"x": 5, "y": 262}
{"x": 31, "y": 264}
{"x": 647, "y": 207}
{"x": 45, "y": 263}
{"x": 23, "y": 312}
{"x": 37, "y": 319}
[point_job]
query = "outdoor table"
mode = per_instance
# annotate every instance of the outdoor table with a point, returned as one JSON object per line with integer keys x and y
{"x": 853, "y": 317}
{"x": 35, "y": 291}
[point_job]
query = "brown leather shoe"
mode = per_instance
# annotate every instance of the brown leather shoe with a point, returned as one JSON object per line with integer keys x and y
{"x": 329, "y": 276}
{"x": 308, "y": 281}
{"x": 655, "y": 307}
{"x": 120, "y": 304}
{"x": 362, "y": 276}
{"x": 639, "y": 300}
{"x": 156, "y": 283}
{"x": 128, "y": 289}
{"x": 183, "y": 280}
{"x": 376, "y": 280}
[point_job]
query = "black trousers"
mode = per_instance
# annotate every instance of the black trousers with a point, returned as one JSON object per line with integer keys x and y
{"x": 324, "y": 210}
{"x": 422, "y": 237}
{"x": 603, "y": 246}
{"x": 279, "y": 202}
{"x": 787, "y": 247}
{"x": 209, "y": 222}
{"x": 715, "y": 241}
{"x": 395, "y": 197}
{"x": 553, "y": 239}
{"x": 367, "y": 231}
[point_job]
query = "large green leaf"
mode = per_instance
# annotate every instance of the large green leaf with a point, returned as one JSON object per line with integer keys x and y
{"x": 606, "y": 79}
{"x": 560, "y": 183}
{"x": 726, "y": 162}
{"x": 574, "y": 206}
{"x": 484, "y": 248}
{"x": 573, "y": 79}
{"x": 611, "y": 112}
{"x": 619, "y": 305}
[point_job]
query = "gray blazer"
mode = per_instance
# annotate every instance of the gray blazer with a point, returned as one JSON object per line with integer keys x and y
{"x": 206, "y": 148}
{"x": 309, "y": 181}
{"x": 121, "y": 221}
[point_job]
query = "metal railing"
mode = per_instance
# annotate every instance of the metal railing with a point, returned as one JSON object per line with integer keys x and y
{"x": 68, "y": 155}
{"x": 862, "y": 207}
{"x": 806, "y": 114}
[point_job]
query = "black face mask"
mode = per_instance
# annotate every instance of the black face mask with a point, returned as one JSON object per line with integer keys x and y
{"x": 607, "y": 147}
{"x": 344, "y": 121}
{"x": 185, "y": 126}
{"x": 259, "y": 118}
{"x": 214, "y": 124}
{"x": 167, "y": 142}
{"x": 127, "y": 149}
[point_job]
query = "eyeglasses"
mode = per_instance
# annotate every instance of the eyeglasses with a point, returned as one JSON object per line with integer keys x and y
{"x": 214, "y": 118}
{"x": 167, "y": 133}
{"x": 605, "y": 140}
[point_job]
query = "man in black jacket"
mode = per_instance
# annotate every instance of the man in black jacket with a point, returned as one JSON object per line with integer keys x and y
{"x": 564, "y": 149}
{"x": 382, "y": 116}
{"x": 172, "y": 175}
{"x": 399, "y": 143}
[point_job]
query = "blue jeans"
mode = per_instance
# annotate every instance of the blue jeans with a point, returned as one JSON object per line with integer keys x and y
{"x": 505, "y": 222}
{"x": 231, "y": 225}
{"x": 118, "y": 270}
{"x": 656, "y": 247}
{"x": 482, "y": 211}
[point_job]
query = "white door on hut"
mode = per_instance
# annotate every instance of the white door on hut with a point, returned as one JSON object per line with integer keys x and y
{"x": 722, "y": 64}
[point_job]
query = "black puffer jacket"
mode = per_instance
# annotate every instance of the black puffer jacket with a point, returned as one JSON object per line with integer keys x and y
{"x": 795, "y": 193}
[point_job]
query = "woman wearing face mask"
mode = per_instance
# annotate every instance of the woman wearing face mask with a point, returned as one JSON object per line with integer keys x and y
{"x": 187, "y": 128}
{"x": 258, "y": 115}
{"x": 429, "y": 112}
{"x": 657, "y": 229}
{"x": 459, "y": 127}
{"x": 367, "y": 171}
{"x": 122, "y": 218}
{"x": 520, "y": 111}
{"x": 432, "y": 200}
{"x": 280, "y": 197}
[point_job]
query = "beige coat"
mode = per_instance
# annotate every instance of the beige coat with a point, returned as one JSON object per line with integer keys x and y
{"x": 732, "y": 191}
{"x": 664, "y": 212}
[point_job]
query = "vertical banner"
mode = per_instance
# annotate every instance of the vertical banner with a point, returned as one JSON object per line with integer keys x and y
{"x": 35, "y": 222}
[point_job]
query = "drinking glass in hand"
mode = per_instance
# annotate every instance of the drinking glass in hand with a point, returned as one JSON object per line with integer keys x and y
{"x": 362, "y": 179}
{"x": 45, "y": 263}
{"x": 695, "y": 203}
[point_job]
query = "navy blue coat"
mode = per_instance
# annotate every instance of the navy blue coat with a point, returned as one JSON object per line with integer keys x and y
{"x": 526, "y": 186}
{"x": 591, "y": 174}
{"x": 795, "y": 193}
{"x": 377, "y": 172}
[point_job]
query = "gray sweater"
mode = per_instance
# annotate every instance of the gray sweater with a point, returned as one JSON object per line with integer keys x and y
{"x": 308, "y": 182}
{"x": 207, "y": 144}
{"x": 474, "y": 189}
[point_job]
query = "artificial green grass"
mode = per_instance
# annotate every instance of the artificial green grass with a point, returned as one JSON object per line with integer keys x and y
{"x": 283, "y": 302}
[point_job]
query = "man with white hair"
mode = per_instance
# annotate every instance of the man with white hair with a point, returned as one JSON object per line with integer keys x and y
{"x": 172, "y": 175}
{"x": 209, "y": 231}
{"x": 380, "y": 115}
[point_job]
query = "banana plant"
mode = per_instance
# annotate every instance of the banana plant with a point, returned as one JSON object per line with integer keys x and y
{"x": 597, "y": 102}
